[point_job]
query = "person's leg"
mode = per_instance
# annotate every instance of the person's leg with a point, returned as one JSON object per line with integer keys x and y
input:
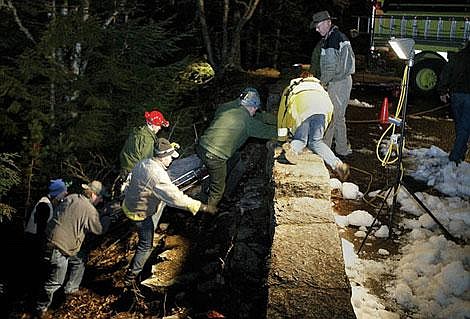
{"x": 316, "y": 143}
{"x": 460, "y": 104}
{"x": 300, "y": 138}
{"x": 217, "y": 168}
{"x": 339, "y": 93}
{"x": 55, "y": 279}
{"x": 236, "y": 169}
{"x": 76, "y": 270}
{"x": 145, "y": 232}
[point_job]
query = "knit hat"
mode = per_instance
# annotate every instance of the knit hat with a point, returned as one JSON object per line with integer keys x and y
{"x": 250, "y": 97}
{"x": 164, "y": 148}
{"x": 319, "y": 17}
{"x": 56, "y": 187}
{"x": 96, "y": 187}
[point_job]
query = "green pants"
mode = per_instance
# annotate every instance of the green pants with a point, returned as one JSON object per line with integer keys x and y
{"x": 218, "y": 169}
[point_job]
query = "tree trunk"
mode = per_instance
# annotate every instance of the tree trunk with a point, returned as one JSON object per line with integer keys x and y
{"x": 234, "y": 60}
{"x": 205, "y": 31}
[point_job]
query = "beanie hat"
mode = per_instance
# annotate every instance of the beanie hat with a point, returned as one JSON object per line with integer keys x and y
{"x": 96, "y": 187}
{"x": 56, "y": 187}
{"x": 156, "y": 118}
{"x": 250, "y": 97}
{"x": 164, "y": 148}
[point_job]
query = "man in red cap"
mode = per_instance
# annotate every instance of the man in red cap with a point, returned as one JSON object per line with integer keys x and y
{"x": 140, "y": 143}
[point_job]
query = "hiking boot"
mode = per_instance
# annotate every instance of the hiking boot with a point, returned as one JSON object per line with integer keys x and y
{"x": 291, "y": 156}
{"x": 294, "y": 157}
{"x": 342, "y": 170}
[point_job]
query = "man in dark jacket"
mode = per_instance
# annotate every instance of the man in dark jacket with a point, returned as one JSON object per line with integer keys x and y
{"x": 455, "y": 83}
{"x": 234, "y": 122}
{"x": 336, "y": 62}
{"x": 75, "y": 217}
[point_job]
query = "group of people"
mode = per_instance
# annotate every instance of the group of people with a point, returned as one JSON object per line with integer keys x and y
{"x": 311, "y": 112}
{"x": 56, "y": 228}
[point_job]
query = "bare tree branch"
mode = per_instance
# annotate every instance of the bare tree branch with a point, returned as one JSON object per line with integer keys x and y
{"x": 11, "y": 7}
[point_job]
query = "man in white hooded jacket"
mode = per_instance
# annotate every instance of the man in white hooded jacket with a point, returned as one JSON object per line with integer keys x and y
{"x": 150, "y": 189}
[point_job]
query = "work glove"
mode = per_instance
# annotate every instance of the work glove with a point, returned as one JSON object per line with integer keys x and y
{"x": 208, "y": 209}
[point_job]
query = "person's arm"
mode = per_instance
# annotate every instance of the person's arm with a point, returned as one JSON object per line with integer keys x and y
{"x": 315, "y": 60}
{"x": 347, "y": 61}
{"x": 265, "y": 117}
{"x": 171, "y": 195}
{"x": 98, "y": 224}
{"x": 259, "y": 129}
{"x": 43, "y": 212}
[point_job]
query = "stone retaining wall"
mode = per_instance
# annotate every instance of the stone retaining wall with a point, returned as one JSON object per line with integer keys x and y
{"x": 306, "y": 273}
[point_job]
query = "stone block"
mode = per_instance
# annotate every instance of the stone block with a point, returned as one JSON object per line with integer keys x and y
{"x": 306, "y": 179}
{"x": 309, "y": 303}
{"x": 302, "y": 210}
{"x": 307, "y": 255}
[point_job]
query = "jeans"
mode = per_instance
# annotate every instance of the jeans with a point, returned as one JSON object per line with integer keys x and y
{"x": 145, "y": 232}
{"x": 310, "y": 134}
{"x": 58, "y": 267}
{"x": 460, "y": 104}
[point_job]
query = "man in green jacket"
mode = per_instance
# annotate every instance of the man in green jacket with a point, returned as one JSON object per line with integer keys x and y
{"x": 140, "y": 143}
{"x": 234, "y": 122}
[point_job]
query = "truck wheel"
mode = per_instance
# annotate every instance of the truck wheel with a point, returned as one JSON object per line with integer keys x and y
{"x": 425, "y": 76}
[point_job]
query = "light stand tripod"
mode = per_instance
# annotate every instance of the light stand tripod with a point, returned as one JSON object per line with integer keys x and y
{"x": 404, "y": 48}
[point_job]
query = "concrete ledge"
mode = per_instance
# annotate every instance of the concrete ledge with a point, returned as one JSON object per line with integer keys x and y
{"x": 302, "y": 210}
{"x": 308, "y": 179}
{"x": 308, "y": 303}
{"x": 307, "y": 255}
{"x": 306, "y": 276}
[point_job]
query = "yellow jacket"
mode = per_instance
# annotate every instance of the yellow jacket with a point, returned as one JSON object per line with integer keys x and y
{"x": 302, "y": 98}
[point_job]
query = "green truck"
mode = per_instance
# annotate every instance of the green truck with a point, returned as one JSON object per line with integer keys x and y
{"x": 437, "y": 27}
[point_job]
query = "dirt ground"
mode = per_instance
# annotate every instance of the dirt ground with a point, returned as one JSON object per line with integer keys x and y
{"x": 226, "y": 274}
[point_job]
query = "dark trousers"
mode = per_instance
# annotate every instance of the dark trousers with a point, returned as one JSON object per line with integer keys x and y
{"x": 460, "y": 104}
{"x": 218, "y": 169}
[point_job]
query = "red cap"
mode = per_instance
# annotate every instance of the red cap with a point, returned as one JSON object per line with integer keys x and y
{"x": 156, "y": 118}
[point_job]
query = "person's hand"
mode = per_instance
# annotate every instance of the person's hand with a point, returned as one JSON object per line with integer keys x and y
{"x": 175, "y": 145}
{"x": 209, "y": 209}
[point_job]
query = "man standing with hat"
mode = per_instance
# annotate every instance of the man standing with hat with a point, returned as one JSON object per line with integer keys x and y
{"x": 336, "y": 64}
{"x": 76, "y": 216}
{"x": 150, "y": 189}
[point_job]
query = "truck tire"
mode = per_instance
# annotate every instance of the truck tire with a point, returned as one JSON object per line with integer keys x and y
{"x": 424, "y": 77}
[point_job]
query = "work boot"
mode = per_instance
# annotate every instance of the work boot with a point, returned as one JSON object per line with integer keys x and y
{"x": 291, "y": 156}
{"x": 342, "y": 170}
{"x": 294, "y": 157}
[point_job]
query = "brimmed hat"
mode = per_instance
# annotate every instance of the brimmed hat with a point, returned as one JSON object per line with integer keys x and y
{"x": 319, "y": 17}
{"x": 56, "y": 187}
{"x": 96, "y": 187}
{"x": 164, "y": 148}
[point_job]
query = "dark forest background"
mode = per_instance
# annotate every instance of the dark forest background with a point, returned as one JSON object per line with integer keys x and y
{"x": 76, "y": 76}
